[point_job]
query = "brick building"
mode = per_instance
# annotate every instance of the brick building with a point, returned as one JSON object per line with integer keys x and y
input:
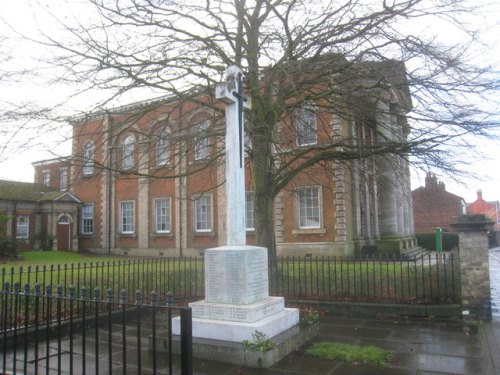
{"x": 151, "y": 183}
{"x": 490, "y": 209}
{"x": 435, "y": 207}
{"x": 38, "y": 216}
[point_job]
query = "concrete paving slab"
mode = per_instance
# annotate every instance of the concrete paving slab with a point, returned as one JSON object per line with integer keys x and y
{"x": 349, "y": 369}
{"x": 443, "y": 364}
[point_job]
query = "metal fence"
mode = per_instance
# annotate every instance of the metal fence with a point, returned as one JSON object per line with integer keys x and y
{"x": 432, "y": 279}
{"x": 50, "y": 333}
{"x": 184, "y": 277}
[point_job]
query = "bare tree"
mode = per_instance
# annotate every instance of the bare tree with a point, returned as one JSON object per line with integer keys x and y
{"x": 324, "y": 56}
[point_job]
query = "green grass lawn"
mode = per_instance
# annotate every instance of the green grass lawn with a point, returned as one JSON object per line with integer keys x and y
{"x": 181, "y": 276}
{"x": 352, "y": 353}
{"x": 33, "y": 258}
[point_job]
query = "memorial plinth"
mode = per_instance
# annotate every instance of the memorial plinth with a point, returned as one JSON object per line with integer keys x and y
{"x": 237, "y": 297}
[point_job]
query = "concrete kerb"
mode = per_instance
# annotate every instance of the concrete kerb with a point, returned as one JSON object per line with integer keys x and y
{"x": 235, "y": 353}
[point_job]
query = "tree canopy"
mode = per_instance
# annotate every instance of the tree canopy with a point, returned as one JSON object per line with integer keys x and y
{"x": 331, "y": 56}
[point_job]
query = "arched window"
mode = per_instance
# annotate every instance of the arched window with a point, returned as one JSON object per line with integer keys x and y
{"x": 306, "y": 126}
{"x": 162, "y": 147}
{"x": 202, "y": 141}
{"x": 88, "y": 158}
{"x": 128, "y": 147}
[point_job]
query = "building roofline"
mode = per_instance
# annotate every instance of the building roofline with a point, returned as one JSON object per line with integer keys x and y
{"x": 61, "y": 159}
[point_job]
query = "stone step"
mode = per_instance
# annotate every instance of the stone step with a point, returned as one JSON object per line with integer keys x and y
{"x": 416, "y": 252}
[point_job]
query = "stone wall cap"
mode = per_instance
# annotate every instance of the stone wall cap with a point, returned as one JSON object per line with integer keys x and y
{"x": 472, "y": 226}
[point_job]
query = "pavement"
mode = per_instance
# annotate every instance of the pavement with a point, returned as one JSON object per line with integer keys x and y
{"x": 418, "y": 346}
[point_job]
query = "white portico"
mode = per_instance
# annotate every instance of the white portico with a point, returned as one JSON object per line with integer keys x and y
{"x": 237, "y": 301}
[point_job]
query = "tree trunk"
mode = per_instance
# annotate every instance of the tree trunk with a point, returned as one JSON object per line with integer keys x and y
{"x": 264, "y": 187}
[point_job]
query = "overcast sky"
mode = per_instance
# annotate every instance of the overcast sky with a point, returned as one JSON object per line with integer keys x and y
{"x": 17, "y": 166}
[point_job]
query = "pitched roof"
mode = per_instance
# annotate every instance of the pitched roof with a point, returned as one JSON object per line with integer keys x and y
{"x": 26, "y": 191}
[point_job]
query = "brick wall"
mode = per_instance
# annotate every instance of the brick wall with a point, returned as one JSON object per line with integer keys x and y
{"x": 434, "y": 207}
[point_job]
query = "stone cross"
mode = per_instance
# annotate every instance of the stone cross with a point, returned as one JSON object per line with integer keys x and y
{"x": 231, "y": 93}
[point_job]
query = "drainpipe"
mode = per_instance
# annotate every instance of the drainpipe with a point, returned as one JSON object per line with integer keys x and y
{"x": 109, "y": 172}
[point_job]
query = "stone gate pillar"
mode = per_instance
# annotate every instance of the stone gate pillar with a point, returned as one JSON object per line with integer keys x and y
{"x": 474, "y": 265}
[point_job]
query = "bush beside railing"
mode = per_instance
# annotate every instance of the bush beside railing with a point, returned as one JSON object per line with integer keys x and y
{"x": 428, "y": 240}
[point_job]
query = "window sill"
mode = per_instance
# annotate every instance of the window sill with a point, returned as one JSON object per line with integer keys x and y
{"x": 300, "y": 232}
{"x": 127, "y": 235}
{"x": 204, "y": 234}
{"x": 162, "y": 166}
{"x": 162, "y": 235}
{"x": 199, "y": 161}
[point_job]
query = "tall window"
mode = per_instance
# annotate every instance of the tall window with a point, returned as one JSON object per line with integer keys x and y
{"x": 203, "y": 213}
{"x": 249, "y": 210}
{"x": 309, "y": 207}
{"x": 127, "y": 214}
{"x": 22, "y": 226}
{"x": 306, "y": 125}
{"x": 128, "y": 148}
{"x": 162, "y": 215}
{"x": 88, "y": 158}
{"x": 202, "y": 141}
{"x": 63, "y": 179}
{"x": 87, "y": 223}
{"x": 46, "y": 178}
{"x": 162, "y": 146}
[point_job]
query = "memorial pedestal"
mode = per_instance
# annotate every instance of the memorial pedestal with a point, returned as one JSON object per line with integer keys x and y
{"x": 237, "y": 300}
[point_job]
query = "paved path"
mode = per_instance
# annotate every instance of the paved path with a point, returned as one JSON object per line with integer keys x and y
{"x": 495, "y": 282}
{"x": 490, "y": 337}
{"x": 420, "y": 347}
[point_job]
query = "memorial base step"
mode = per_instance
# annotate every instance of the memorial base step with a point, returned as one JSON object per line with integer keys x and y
{"x": 236, "y": 353}
{"x": 238, "y": 331}
{"x": 238, "y": 313}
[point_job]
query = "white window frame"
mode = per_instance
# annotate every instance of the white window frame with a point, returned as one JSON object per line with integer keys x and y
{"x": 88, "y": 158}
{"x": 202, "y": 141}
{"x": 163, "y": 217}
{"x": 203, "y": 223}
{"x": 128, "y": 152}
{"x": 127, "y": 217}
{"x": 63, "y": 178}
{"x": 46, "y": 178}
{"x": 22, "y": 221}
{"x": 87, "y": 219}
{"x": 306, "y": 125}
{"x": 162, "y": 148}
{"x": 250, "y": 210}
{"x": 305, "y": 207}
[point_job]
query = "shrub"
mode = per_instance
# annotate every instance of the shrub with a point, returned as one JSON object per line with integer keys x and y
{"x": 8, "y": 248}
{"x": 428, "y": 240}
{"x": 260, "y": 342}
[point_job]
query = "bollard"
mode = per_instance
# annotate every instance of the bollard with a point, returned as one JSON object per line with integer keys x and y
{"x": 439, "y": 240}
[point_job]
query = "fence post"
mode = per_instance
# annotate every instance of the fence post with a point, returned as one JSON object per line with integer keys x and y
{"x": 474, "y": 266}
{"x": 186, "y": 342}
{"x": 5, "y": 306}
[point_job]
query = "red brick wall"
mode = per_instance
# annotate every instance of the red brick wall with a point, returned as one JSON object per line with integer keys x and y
{"x": 480, "y": 206}
{"x": 434, "y": 207}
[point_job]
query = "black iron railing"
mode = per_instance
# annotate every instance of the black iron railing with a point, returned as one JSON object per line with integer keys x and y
{"x": 431, "y": 279}
{"x": 184, "y": 277}
{"x": 46, "y": 332}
